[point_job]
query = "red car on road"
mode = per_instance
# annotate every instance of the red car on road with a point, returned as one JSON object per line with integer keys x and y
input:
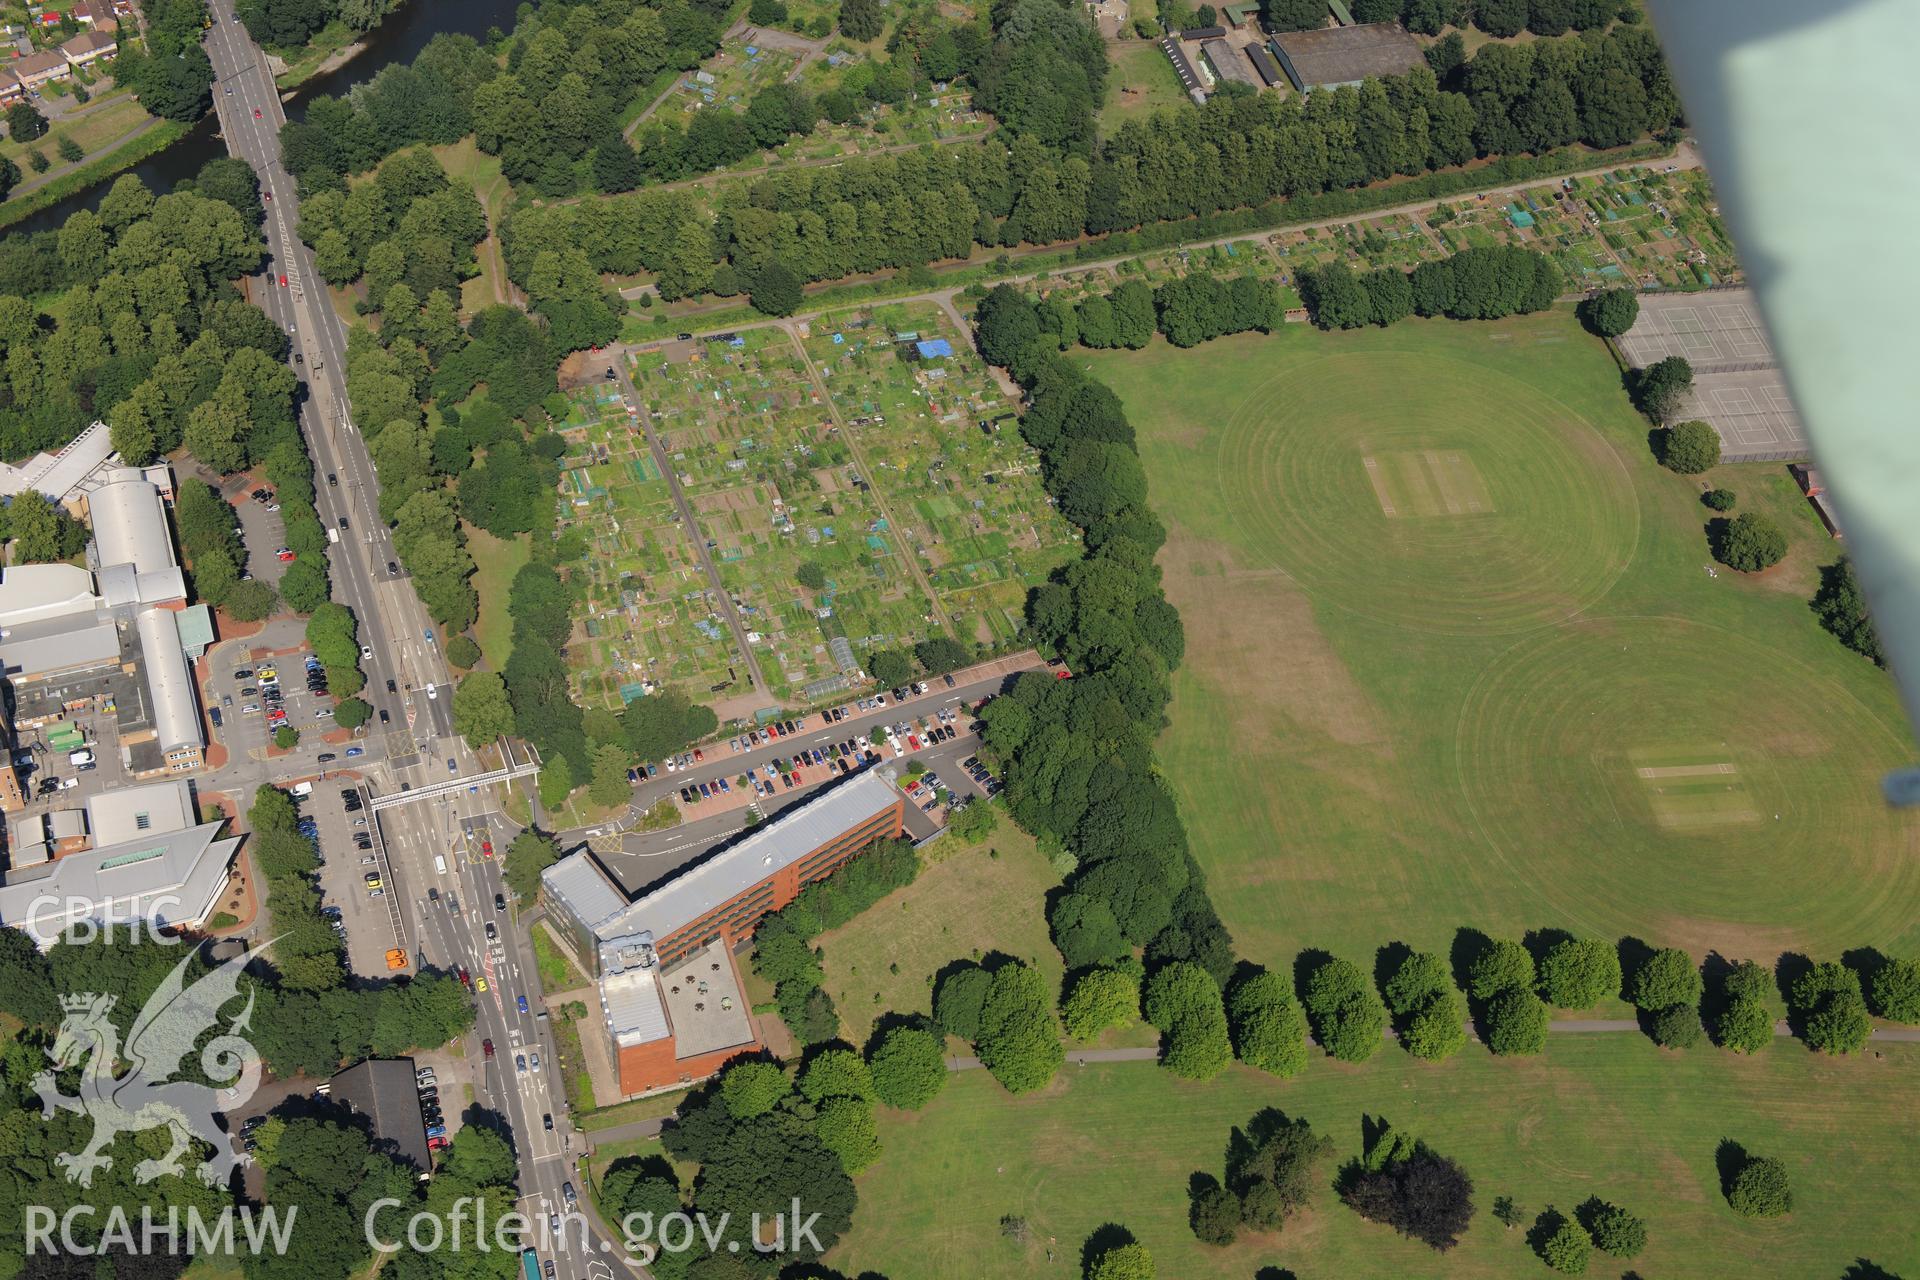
{"x": 486, "y": 1047}
{"x": 486, "y": 848}
{"x": 283, "y": 282}
{"x": 256, "y": 113}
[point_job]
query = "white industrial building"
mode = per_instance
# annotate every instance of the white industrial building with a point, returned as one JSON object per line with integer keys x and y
{"x": 59, "y": 620}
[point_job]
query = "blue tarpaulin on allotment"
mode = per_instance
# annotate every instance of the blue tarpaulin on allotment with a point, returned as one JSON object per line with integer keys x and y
{"x": 934, "y": 348}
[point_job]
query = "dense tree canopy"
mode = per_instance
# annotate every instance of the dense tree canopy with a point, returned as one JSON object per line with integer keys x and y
{"x": 1841, "y": 606}
{"x": 1750, "y": 542}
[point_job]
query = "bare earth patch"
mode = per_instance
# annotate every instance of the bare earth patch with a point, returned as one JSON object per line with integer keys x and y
{"x": 1245, "y": 625}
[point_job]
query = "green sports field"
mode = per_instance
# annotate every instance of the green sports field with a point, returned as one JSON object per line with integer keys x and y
{"x": 1611, "y": 1116}
{"x": 1455, "y": 658}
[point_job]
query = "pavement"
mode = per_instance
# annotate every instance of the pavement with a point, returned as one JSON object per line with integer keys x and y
{"x": 1151, "y": 1053}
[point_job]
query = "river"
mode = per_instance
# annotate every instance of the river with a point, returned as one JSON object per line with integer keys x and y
{"x": 398, "y": 39}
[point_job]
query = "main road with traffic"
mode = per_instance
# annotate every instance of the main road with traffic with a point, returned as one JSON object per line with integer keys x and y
{"x": 439, "y": 856}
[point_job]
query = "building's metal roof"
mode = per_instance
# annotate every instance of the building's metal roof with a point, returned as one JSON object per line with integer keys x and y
{"x": 577, "y": 881}
{"x": 170, "y": 879}
{"x": 57, "y": 645}
{"x": 32, "y": 592}
{"x": 176, "y": 717}
{"x": 1263, "y": 63}
{"x": 1183, "y": 69}
{"x": 129, "y": 525}
{"x": 1227, "y": 62}
{"x": 782, "y": 842}
{"x": 635, "y": 1014}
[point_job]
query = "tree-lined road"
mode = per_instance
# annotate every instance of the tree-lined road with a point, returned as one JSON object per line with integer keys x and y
{"x": 417, "y": 746}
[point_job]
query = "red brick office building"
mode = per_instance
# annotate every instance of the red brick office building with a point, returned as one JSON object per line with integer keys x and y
{"x": 669, "y": 987}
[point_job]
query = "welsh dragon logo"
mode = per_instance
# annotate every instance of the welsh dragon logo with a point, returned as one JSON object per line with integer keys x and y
{"x": 163, "y": 1037}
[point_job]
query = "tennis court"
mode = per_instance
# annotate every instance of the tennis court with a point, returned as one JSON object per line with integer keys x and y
{"x": 1737, "y": 386}
{"x": 1714, "y": 331}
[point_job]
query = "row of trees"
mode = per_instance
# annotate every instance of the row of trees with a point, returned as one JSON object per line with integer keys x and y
{"x": 215, "y": 556}
{"x": 593, "y": 746}
{"x": 783, "y": 952}
{"x": 290, "y": 24}
{"x": 1505, "y": 988}
{"x": 309, "y": 1020}
{"x": 1078, "y": 753}
{"x": 1502, "y": 18}
{"x": 1480, "y": 283}
{"x": 1239, "y": 151}
{"x": 1188, "y": 311}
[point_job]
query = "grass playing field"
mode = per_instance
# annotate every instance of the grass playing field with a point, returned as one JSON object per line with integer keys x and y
{"x": 1455, "y": 657}
{"x": 1611, "y": 1116}
{"x": 968, "y": 903}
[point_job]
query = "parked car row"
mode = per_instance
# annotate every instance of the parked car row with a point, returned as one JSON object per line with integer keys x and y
{"x": 430, "y": 1108}
{"x": 978, "y": 772}
{"x": 787, "y": 772}
{"x": 773, "y": 731}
